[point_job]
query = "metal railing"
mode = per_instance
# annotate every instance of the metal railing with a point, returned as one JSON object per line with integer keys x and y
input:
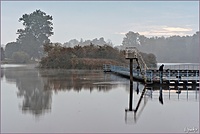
{"x": 151, "y": 75}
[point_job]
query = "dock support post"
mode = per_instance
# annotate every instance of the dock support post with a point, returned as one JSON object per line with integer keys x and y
{"x": 131, "y": 71}
{"x": 131, "y": 85}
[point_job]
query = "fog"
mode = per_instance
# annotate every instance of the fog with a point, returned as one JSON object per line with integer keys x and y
{"x": 173, "y": 49}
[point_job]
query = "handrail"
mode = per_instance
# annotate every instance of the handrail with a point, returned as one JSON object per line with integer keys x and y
{"x": 139, "y": 56}
{"x": 150, "y": 75}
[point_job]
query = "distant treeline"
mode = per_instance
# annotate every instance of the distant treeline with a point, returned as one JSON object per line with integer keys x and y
{"x": 167, "y": 49}
{"x": 96, "y": 41}
{"x": 86, "y": 57}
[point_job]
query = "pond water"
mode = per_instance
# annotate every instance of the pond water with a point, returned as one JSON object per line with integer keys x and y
{"x": 81, "y": 101}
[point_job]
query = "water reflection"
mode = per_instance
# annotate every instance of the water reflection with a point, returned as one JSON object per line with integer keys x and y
{"x": 161, "y": 96}
{"x": 36, "y": 100}
{"x": 2, "y": 73}
{"x": 78, "y": 80}
{"x": 137, "y": 89}
{"x": 133, "y": 114}
{"x": 36, "y": 86}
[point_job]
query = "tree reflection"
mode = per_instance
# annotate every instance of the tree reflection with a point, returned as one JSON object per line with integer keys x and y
{"x": 35, "y": 86}
{"x": 2, "y": 73}
{"x": 76, "y": 80}
{"x": 31, "y": 88}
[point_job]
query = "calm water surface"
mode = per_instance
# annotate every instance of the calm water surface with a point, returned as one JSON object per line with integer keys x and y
{"x": 68, "y": 101}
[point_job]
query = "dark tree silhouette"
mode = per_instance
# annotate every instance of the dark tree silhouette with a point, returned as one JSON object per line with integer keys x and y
{"x": 2, "y": 54}
{"x": 131, "y": 39}
{"x": 38, "y": 29}
{"x": 10, "y": 48}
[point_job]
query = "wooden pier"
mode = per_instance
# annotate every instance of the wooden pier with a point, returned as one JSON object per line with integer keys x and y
{"x": 151, "y": 77}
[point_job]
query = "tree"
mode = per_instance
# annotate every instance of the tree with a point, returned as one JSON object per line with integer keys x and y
{"x": 131, "y": 39}
{"x": 2, "y": 54}
{"x": 109, "y": 42}
{"x": 194, "y": 47}
{"x": 20, "y": 57}
{"x": 73, "y": 42}
{"x": 10, "y": 48}
{"x": 38, "y": 29}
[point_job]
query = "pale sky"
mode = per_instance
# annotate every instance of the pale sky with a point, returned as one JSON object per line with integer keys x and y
{"x": 111, "y": 20}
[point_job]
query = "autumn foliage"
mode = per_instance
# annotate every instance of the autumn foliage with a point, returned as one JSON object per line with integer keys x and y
{"x": 81, "y": 57}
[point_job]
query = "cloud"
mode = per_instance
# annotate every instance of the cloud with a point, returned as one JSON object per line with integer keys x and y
{"x": 177, "y": 29}
{"x": 120, "y": 33}
{"x": 166, "y": 31}
{"x": 157, "y": 30}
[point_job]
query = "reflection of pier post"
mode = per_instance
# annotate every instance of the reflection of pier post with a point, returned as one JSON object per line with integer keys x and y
{"x": 137, "y": 89}
{"x": 140, "y": 99}
{"x": 161, "y": 96}
{"x": 169, "y": 91}
{"x": 131, "y": 97}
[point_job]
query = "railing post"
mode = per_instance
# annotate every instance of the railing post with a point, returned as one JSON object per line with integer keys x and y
{"x": 196, "y": 84}
{"x": 187, "y": 92}
{"x": 187, "y": 76}
{"x": 169, "y": 76}
{"x": 178, "y": 76}
{"x": 196, "y": 76}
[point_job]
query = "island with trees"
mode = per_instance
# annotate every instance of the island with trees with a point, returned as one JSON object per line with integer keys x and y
{"x": 86, "y": 57}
